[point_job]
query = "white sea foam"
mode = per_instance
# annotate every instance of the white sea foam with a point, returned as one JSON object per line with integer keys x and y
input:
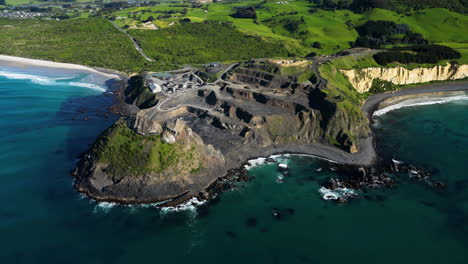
{"x": 44, "y": 80}
{"x": 282, "y": 159}
{"x": 33, "y": 78}
{"x": 427, "y": 100}
{"x": 280, "y": 178}
{"x": 254, "y": 163}
{"x": 328, "y": 194}
{"x": 190, "y": 205}
{"x": 88, "y": 85}
{"x": 103, "y": 207}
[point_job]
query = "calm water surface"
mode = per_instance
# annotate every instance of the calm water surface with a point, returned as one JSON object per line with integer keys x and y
{"x": 42, "y": 219}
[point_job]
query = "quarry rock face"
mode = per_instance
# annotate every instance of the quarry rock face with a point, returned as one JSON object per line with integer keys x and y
{"x": 188, "y": 141}
{"x": 362, "y": 79}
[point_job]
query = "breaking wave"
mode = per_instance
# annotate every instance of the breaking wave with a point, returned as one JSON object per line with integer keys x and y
{"x": 190, "y": 205}
{"x": 103, "y": 207}
{"x": 427, "y": 100}
{"x": 254, "y": 163}
{"x": 44, "y": 80}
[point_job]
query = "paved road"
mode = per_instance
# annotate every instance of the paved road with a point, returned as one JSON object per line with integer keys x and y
{"x": 137, "y": 47}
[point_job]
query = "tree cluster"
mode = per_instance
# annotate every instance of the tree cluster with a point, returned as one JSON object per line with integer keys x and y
{"x": 375, "y": 34}
{"x": 246, "y": 12}
{"x": 460, "y": 6}
{"x": 417, "y": 54}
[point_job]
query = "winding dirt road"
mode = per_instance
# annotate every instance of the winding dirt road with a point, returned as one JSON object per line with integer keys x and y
{"x": 137, "y": 47}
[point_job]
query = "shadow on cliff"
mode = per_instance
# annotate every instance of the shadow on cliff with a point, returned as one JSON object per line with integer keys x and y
{"x": 318, "y": 101}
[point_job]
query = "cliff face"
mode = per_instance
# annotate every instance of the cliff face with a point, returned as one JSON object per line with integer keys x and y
{"x": 180, "y": 146}
{"x": 362, "y": 79}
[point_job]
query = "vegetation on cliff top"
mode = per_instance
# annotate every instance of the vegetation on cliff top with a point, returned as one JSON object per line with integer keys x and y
{"x": 137, "y": 93}
{"x": 340, "y": 90}
{"x": 130, "y": 154}
{"x": 417, "y": 54}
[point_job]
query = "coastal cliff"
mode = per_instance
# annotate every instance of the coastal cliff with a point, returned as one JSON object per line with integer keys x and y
{"x": 362, "y": 79}
{"x": 158, "y": 154}
{"x": 129, "y": 167}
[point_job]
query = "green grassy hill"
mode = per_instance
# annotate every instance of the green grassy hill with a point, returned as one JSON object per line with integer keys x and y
{"x": 280, "y": 30}
{"x": 299, "y": 24}
{"x": 204, "y": 42}
{"x": 436, "y": 25}
{"x": 93, "y": 42}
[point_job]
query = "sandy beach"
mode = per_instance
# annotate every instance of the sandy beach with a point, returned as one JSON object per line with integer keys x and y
{"x": 25, "y": 62}
{"x": 373, "y": 103}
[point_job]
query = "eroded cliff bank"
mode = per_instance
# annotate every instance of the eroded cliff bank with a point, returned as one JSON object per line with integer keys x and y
{"x": 362, "y": 79}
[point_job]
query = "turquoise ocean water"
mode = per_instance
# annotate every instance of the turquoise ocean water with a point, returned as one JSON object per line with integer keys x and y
{"x": 48, "y": 118}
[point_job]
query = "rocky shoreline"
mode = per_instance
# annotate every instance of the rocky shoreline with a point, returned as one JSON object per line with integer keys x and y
{"x": 361, "y": 170}
{"x": 364, "y": 160}
{"x": 233, "y": 163}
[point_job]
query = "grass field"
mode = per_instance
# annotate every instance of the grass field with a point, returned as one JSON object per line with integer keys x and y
{"x": 21, "y": 2}
{"x": 333, "y": 29}
{"x": 436, "y": 25}
{"x": 144, "y": 154}
{"x": 92, "y": 42}
{"x": 203, "y": 43}
{"x": 296, "y": 25}
{"x": 353, "y": 62}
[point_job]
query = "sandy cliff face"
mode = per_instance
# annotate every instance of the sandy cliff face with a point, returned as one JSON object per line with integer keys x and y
{"x": 362, "y": 79}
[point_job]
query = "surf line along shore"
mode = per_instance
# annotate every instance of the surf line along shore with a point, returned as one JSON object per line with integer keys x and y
{"x": 109, "y": 80}
{"x": 20, "y": 62}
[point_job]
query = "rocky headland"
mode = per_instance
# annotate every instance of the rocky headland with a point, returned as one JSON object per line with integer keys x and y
{"x": 189, "y": 143}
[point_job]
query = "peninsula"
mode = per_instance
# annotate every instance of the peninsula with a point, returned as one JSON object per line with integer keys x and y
{"x": 207, "y": 86}
{"x": 190, "y": 133}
